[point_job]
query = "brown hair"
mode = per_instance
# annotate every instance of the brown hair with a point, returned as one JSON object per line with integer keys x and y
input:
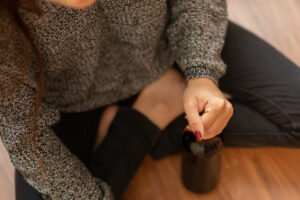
{"x": 11, "y": 6}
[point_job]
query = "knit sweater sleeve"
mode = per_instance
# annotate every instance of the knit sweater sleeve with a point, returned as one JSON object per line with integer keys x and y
{"x": 65, "y": 176}
{"x": 196, "y": 31}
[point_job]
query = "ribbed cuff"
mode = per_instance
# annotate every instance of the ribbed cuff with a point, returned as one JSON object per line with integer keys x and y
{"x": 107, "y": 194}
{"x": 201, "y": 72}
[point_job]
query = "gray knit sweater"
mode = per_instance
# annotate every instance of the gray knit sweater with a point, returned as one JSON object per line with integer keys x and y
{"x": 93, "y": 57}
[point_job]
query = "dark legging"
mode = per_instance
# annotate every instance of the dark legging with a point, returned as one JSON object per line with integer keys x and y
{"x": 265, "y": 86}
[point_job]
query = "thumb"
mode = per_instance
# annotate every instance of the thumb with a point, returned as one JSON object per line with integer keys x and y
{"x": 192, "y": 110}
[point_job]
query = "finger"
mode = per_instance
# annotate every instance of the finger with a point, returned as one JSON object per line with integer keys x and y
{"x": 213, "y": 109}
{"x": 188, "y": 129}
{"x": 192, "y": 110}
{"x": 221, "y": 122}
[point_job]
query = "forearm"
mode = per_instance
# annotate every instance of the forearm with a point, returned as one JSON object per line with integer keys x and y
{"x": 196, "y": 33}
{"x": 65, "y": 176}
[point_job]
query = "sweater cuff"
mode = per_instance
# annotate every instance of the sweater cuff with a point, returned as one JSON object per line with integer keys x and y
{"x": 201, "y": 72}
{"x": 107, "y": 194}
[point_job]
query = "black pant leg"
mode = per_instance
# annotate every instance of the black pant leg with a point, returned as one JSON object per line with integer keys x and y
{"x": 261, "y": 77}
{"x": 249, "y": 128}
{"x": 23, "y": 190}
{"x": 78, "y": 132}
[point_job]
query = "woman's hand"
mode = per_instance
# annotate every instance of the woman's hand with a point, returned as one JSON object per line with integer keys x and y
{"x": 203, "y": 95}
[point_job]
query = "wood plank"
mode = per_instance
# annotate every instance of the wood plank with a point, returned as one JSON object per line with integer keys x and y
{"x": 275, "y": 21}
{"x": 247, "y": 173}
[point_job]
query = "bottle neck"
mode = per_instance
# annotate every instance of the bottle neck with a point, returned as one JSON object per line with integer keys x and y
{"x": 203, "y": 147}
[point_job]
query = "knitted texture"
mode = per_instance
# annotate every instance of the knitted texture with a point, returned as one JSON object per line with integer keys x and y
{"x": 94, "y": 57}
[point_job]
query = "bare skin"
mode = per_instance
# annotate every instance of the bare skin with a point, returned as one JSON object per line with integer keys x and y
{"x": 169, "y": 96}
{"x": 161, "y": 102}
{"x": 77, "y": 4}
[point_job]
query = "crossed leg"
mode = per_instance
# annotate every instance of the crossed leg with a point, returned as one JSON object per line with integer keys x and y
{"x": 265, "y": 86}
{"x": 161, "y": 102}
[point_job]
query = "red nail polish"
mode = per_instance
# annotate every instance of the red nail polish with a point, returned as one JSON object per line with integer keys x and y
{"x": 198, "y": 135}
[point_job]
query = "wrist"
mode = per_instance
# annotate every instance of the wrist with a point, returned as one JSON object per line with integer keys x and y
{"x": 201, "y": 80}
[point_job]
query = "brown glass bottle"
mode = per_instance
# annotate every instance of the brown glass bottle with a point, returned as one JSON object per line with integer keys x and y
{"x": 201, "y": 162}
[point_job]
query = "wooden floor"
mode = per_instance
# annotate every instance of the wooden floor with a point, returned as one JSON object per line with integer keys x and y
{"x": 247, "y": 173}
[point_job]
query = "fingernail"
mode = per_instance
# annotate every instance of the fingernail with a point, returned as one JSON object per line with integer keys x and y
{"x": 198, "y": 135}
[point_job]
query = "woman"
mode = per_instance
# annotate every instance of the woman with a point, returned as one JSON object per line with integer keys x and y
{"x": 117, "y": 52}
